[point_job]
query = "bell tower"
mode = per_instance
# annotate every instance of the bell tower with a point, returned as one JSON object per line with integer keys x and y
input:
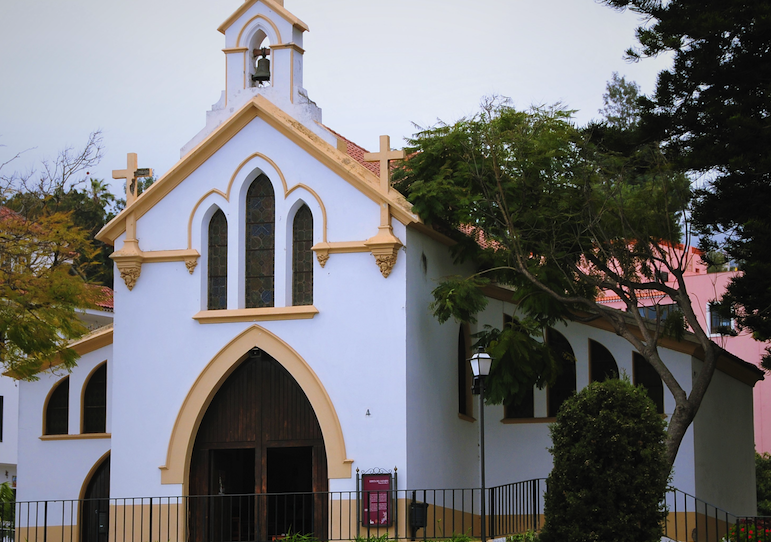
{"x": 263, "y": 56}
{"x": 263, "y": 34}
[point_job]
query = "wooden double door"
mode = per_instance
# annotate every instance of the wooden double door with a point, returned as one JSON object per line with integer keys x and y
{"x": 258, "y": 459}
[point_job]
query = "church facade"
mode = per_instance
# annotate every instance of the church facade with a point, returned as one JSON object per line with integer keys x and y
{"x": 272, "y": 330}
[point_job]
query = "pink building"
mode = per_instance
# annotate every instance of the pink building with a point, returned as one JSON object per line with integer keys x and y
{"x": 703, "y": 288}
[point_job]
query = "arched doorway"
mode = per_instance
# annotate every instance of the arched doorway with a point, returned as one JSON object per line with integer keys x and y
{"x": 95, "y": 508}
{"x": 258, "y": 455}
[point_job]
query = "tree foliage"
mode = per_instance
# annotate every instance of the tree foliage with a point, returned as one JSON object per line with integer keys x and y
{"x": 712, "y": 111}
{"x": 40, "y": 291}
{"x": 47, "y": 222}
{"x": 560, "y": 215}
{"x": 610, "y": 470}
{"x": 763, "y": 483}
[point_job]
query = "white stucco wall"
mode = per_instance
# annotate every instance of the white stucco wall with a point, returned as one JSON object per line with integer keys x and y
{"x": 57, "y": 469}
{"x": 9, "y": 391}
{"x": 724, "y": 466}
{"x": 355, "y": 345}
{"x": 442, "y": 449}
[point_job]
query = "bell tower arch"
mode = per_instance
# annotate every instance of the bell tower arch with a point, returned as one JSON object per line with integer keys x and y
{"x": 259, "y": 33}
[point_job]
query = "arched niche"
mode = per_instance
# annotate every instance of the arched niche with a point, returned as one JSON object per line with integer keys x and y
{"x": 216, "y": 372}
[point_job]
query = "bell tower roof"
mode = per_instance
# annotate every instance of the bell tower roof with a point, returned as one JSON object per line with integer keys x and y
{"x": 275, "y": 5}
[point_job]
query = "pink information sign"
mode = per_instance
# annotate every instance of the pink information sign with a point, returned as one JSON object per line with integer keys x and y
{"x": 376, "y": 499}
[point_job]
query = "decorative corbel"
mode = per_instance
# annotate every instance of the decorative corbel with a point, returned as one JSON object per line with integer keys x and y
{"x": 322, "y": 252}
{"x": 384, "y": 247}
{"x": 191, "y": 262}
{"x": 129, "y": 261}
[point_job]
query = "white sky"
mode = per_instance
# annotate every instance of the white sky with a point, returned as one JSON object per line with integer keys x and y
{"x": 146, "y": 71}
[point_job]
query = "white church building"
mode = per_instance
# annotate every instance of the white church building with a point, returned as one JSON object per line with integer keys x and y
{"x": 272, "y": 334}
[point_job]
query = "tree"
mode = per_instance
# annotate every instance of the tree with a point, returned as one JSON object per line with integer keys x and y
{"x": 44, "y": 260}
{"x": 59, "y": 187}
{"x": 555, "y": 214}
{"x": 763, "y": 483}
{"x": 610, "y": 470}
{"x": 712, "y": 111}
{"x": 40, "y": 291}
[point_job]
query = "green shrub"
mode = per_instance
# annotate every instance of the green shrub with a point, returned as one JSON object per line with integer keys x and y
{"x": 610, "y": 471}
{"x": 529, "y": 536}
{"x": 763, "y": 483}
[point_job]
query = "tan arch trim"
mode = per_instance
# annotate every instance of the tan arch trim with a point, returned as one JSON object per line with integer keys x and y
{"x": 268, "y": 160}
{"x": 318, "y": 200}
{"x": 271, "y": 23}
{"x": 83, "y": 396}
{"x": 195, "y": 209}
{"x": 226, "y": 195}
{"x": 87, "y": 479}
{"x": 177, "y": 467}
{"x": 48, "y": 398}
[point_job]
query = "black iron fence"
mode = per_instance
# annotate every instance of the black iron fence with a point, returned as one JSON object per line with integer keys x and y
{"x": 343, "y": 515}
{"x": 424, "y": 514}
{"x": 692, "y": 519}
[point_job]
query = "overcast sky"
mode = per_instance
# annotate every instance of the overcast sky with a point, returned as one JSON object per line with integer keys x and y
{"x": 146, "y": 71}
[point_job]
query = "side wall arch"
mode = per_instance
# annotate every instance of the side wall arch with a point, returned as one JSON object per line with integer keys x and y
{"x": 176, "y": 470}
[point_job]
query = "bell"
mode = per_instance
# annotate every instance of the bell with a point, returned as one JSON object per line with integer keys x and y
{"x": 262, "y": 73}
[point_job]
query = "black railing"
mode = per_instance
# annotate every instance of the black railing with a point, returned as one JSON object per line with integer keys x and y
{"x": 690, "y": 518}
{"x": 401, "y": 514}
{"x": 424, "y": 514}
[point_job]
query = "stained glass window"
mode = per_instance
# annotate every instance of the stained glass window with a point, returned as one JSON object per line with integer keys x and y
{"x": 302, "y": 257}
{"x": 95, "y": 402}
{"x": 57, "y": 410}
{"x": 218, "y": 262}
{"x": 260, "y": 242}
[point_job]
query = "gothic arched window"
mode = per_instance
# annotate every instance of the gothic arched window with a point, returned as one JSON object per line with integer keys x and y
{"x": 565, "y": 383}
{"x": 95, "y": 402}
{"x": 646, "y": 376}
{"x": 602, "y": 364}
{"x": 58, "y": 409}
{"x": 302, "y": 257}
{"x": 260, "y": 242}
{"x": 218, "y": 262}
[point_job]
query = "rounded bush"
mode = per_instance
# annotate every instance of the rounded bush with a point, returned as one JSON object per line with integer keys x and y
{"x": 610, "y": 470}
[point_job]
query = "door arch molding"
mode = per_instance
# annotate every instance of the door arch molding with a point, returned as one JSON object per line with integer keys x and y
{"x": 177, "y": 467}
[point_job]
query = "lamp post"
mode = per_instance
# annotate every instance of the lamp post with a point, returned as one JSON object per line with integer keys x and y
{"x": 480, "y": 366}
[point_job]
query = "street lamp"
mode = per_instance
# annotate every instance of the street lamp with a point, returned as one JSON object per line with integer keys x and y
{"x": 480, "y": 366}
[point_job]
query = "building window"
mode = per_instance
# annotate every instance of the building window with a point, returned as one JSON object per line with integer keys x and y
{"x": 58, "y": 409}
{"x": 565, "y": 383}
{"x": 218, "y": 262}
{"x": 260, "y": 242}
{"x": 526, "y": 407}
{"x": 649, "y": 312}
{"x": 646, "y": 376}
{"x": 719, "y": 324}
{"x": 95, "y": 402}
{"x": 602, "y": 364}
{"x": 464, "y": 372}
{"x": 302, "y": 257}
{"x": 2, "y": 416}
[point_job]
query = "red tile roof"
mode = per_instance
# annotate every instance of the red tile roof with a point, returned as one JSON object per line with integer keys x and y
{"x": 5, "y": 212}
{"x": 357, "y": 152}
{"x": 105, "y": 300}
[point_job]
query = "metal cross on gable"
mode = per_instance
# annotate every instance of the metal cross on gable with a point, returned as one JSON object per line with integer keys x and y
{"x": 131, "y": 174}
{"x": 384, "y": 156}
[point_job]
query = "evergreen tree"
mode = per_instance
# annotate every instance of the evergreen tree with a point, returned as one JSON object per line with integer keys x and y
{"x": 712, "y": 111}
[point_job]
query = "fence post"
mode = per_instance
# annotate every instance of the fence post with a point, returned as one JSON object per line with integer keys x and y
{"x": 491, "y": 513}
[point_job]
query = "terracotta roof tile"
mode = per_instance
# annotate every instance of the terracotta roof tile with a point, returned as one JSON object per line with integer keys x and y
{"x": 105, "y": 300}
{"x": 357, "y": 152}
